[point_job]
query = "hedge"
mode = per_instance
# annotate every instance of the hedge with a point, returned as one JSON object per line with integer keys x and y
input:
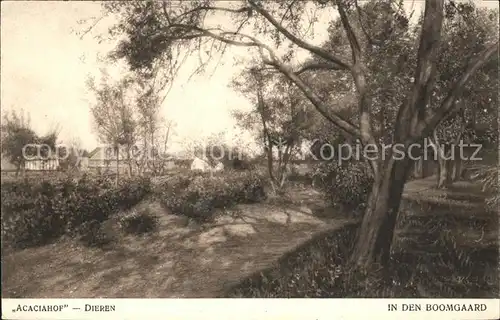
{"x": 198, "y": 195}
{"x": 37, "y": 211}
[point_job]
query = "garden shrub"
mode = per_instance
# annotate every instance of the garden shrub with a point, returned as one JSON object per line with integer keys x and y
{"x": 231, "y": 157}
{"x": 301, "y": 174}
{"x": 139, "y": 222}
{"x": 252, "y": 187}
{"x": 348, "y": 183}
{"x": 92, "y": 234}
{"x": 489, "y": 180}
{"x": 198, "y": 195}
{"x": 37, "y": 211}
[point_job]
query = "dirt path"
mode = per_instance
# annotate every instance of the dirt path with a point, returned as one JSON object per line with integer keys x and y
{"x": 179, "y": 260}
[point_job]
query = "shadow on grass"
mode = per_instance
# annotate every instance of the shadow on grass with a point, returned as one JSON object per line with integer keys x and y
{"x": 449, "y": 260}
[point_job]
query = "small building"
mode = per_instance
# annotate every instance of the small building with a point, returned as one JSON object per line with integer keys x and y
{"x": 200, "y": 164}
{"x": 104, "y": 159}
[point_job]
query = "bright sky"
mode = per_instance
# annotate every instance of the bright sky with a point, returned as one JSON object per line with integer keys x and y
{"x": 44, "y": 66}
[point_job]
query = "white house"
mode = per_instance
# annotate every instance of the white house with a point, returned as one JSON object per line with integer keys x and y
{"x": 219, "y": 167}
{"x": 199, "y": 164}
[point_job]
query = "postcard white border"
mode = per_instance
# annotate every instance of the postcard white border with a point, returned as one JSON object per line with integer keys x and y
{"x": 230, "y": 309}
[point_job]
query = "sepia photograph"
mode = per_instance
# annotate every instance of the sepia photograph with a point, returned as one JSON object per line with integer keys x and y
{"x": 250, "y": 149}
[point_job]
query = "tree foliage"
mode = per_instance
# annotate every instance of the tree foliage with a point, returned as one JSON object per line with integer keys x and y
{"x": 18, "y": 135}
{"x": 127, "y": 116}
{"x": 280, "y": 116}
{"x": 274, "y": 33}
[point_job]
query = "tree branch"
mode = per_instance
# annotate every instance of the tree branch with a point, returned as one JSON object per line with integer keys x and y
{"x": 206, "y": 33}
{"x": 273, "y": 60}
{"x": 165, "y": 12}
{"x": 313, "y": 66}
{"x": 299, "y": 42}
{"x": 371, "y": 41}
{"x": 212, "y": 8}
{"x": 448, "y": 105}
{"x": 359, "y": 75}
{"x": 343, "y": 124}
{"x": 351, "y": 36}
{"x": 288, "y": 9}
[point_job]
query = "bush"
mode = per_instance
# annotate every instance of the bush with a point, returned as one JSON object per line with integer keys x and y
{"x": 35, "y": 212}
{"x": 198, "y": 195}
{"x": 92, "y": 234}
{"x": 231, "y": 157}
{"x": 300, "y": 174}
{"x": 488, "y": 177}
{"x": 139, "y": 222}
{"x": 348, "y": 184}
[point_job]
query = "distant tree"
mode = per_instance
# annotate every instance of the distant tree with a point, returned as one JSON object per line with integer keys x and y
{"x": 70, "y": 156}
{"x": 113, "y": 116}
{"x": 466, "y": 29}
{"x": 219, "y": 151}
{"x": 153, "y": 130}
{"x": 279, "y": 114}
{"x": 16, "y": 135}
{"x": 49, "y": 148}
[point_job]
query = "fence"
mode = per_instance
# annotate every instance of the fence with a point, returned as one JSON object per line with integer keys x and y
{"x": 41, "y": 165}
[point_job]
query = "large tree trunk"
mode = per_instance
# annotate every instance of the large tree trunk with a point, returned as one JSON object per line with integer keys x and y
{"x": 374, "y": 241}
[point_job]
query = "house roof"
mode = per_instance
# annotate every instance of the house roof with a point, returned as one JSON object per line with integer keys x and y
{"x": 107, "y": 153}
{"x": 93, "y": 152}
